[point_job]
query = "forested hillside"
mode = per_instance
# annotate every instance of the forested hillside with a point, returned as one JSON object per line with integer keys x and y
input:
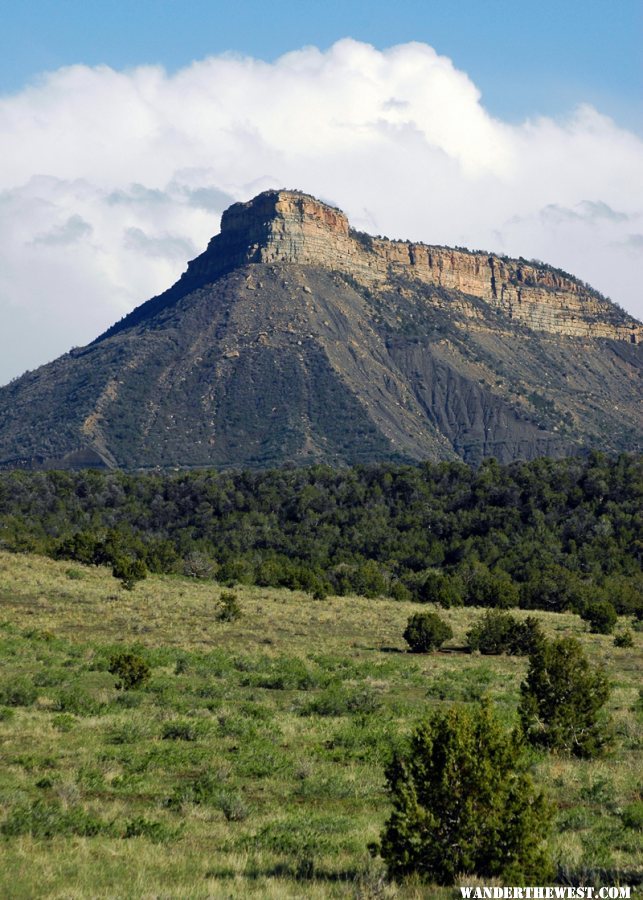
{"x": 546, "y": 534}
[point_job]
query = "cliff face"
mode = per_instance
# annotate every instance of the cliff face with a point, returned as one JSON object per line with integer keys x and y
{"x": 288, "y": 227}
{"x": 293, "y": 338}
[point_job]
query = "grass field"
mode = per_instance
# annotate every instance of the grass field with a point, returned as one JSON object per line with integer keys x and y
{"x": 251, "y": 764}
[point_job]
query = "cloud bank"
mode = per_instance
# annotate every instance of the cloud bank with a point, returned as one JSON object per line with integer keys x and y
{"x": 110, "y": 181}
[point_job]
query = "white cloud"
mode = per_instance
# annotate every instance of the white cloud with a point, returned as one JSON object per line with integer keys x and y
{"x": 110, "y": 181}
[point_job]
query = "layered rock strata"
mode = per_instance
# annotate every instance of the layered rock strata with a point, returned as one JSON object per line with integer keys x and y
{"x": 290, "y": 227}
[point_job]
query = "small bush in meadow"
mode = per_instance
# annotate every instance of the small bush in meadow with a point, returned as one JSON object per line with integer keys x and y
{"x": 229, "y": 609}
{"x": 18, "y": 691}
{"x": 562, "y": 698}
{"x": 129, "y": 571}
{"x": 499, "y": 632}
{"x": 624, "y": 639}
{"x": 632, "y": 816}
{"x": 425, "y": 632}
{"x": 131, "y": 670}
{"x": 601, "y": 616}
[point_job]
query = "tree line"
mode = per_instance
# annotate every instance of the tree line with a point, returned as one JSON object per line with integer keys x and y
{"x": 546, "y": 534}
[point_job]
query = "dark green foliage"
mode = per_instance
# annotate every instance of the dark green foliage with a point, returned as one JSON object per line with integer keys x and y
{"x": 624, "y": 639}
{"x": 425, "y": 632}
{"x": 18, "y": 691}
{"x": 632, "y": 815}
{"x": 562, "y": 698}
{"x": 180, "y": 731}
{"x": 129, "y": 571}
{"x": 434, "y": 586}
{"x": 441, "y": 533}
{"x": 494, "y": 589}
{"x": 463, "y": 805}
{"x": 229, "y": 609}
{"x": 131, "y": 670}
{"x": 156, "y": 832}
{"x": 42, "y": 819}
{"x": 499, "y": 632}
{"x": 601, "y": 616}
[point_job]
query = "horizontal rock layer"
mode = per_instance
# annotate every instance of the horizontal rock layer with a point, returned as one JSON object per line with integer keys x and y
{"x": 290, "y": 227}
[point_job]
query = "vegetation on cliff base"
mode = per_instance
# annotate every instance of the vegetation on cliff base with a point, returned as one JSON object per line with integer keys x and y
{"x": 551, "y": 535}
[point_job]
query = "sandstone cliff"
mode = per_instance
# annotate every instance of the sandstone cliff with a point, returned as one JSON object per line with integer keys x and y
{"x": 293, "y": 338}
{"x": 290, "y": 227}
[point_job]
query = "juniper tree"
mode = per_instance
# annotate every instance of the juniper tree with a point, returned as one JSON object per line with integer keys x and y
{"x": 562, "y": 698}
{"x": 463, "y": 804}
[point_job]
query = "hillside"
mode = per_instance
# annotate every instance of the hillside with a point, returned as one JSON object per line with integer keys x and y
{"x": 293, "y": 338}
{"x": 251, "y": 764}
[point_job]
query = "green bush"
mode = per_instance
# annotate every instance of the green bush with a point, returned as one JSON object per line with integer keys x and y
{"x": 180, "y": 731}
{"x": 18, "y": 691}
{"x": 156, "y": 832}
{"x": 624, "y": 639}
{"x": 425, "y": 632}
{"x": 42, "y": 819}
{"x": 462, "y": 804}
{"x": 129, "y": 571}
{"x": 632, "y": 816}
{"x": 229, "y": 609}
{"x": 492, "y": 589}
{"x": 434, "y": 586}
{"x": 601, "y": 616}
{"x": 561, "y": 700}
{"x": 499, "y": 632}
{"x": 131, "y": 670}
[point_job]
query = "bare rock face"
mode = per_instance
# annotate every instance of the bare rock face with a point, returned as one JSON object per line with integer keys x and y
{"x": 293, "y": 338}
{"x": 290, "y": 227}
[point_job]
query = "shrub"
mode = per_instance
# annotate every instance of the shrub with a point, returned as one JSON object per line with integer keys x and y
{"x": 601, "y": 616}
{"x": 156, "y": 832}
{"x": 180, "y": 731}
{"x": 493, "y": 589}
{"x": 624, "y": 639}
{"x": 129, "y": 571}
{"x": 632, "y": 815}
{"x": 425, "y": 632}
{"x": 400, "y": 592}
{"x": 462, "y": 804}
{"x": 17, "y": 692}
{"x": 433, "y": 586}
{"x": 131, "y": 670}
{"x": 42, "y": 819}
{"x": 498, "y": 632}
{"x": 228, "y": 607}
{"x": 561, "y": 700}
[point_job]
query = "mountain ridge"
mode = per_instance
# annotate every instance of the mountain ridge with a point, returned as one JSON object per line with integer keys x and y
{"x": 295, "y": 339}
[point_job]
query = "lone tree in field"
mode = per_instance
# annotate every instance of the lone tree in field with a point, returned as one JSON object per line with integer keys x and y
{"x": 462, "y": 804}
{"x": 131, "y": 670}
{"x": 129, "y": 571}
{"x": 425, "y": 632}
{"x": 561, "y": 700}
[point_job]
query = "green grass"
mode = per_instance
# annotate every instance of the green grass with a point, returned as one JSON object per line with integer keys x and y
{"x": 251, "y": 763}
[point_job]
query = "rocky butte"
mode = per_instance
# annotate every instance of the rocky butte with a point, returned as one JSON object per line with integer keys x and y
{"x": 294, "y": 338}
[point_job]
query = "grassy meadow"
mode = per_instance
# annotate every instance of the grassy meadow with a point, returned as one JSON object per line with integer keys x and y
{"x": 251, "y": 763}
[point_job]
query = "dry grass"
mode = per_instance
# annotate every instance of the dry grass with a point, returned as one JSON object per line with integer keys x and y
{"x": 296, "y": 796}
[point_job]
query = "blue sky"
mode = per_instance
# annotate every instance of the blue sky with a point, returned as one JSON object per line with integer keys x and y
{"x": 126, "y": 128}
{"x": 527, "y": 56}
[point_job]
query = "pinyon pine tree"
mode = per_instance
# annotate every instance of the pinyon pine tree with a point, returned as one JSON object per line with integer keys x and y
{"x": 462, "y": 804}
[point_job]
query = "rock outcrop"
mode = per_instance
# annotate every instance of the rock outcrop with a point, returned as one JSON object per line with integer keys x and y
{"x": 290, "y": 227}
{"x": 293, "y": 338}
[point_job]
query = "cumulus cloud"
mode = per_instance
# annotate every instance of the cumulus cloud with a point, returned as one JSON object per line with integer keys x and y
{"x": 110, "y": 181}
